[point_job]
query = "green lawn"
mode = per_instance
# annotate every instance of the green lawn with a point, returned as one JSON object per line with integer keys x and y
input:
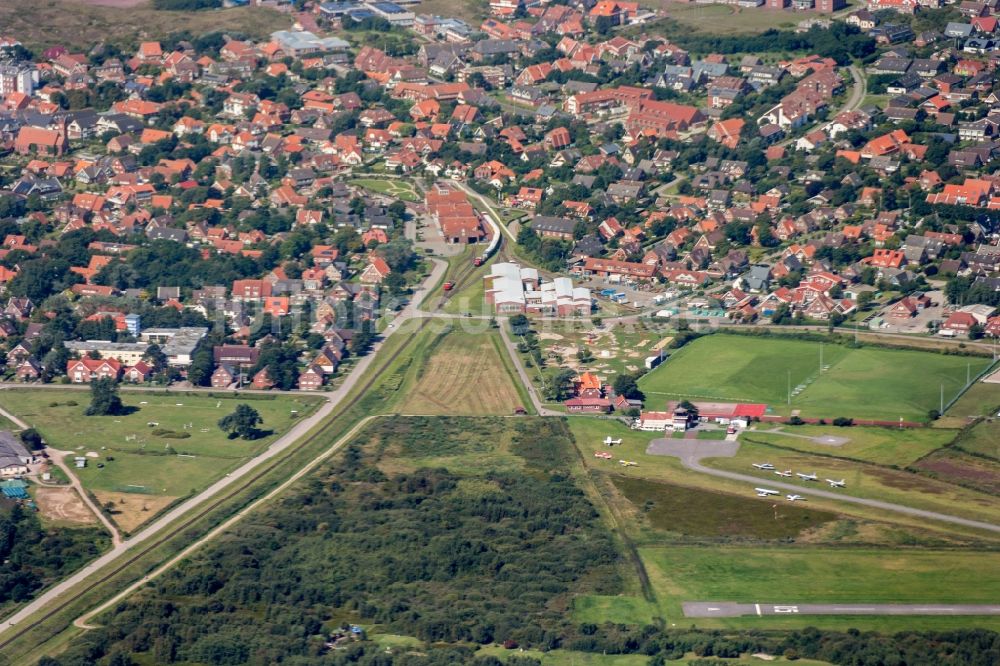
{"x": 870, "y": 382}
{"x": 981, "y": 399}
{"x": 174, "y": 476}
{"x": 817, "y": 575}
{"x": 982, "y": 439}
{"x": 889, "y": 384}
{"x": 741, "y": 368}
{"x": 400, "y": 189}
{"x": 165, "y": 463}
{"x": 884, "y": 446}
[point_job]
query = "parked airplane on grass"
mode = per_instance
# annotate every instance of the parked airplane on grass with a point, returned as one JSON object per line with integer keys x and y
{"x": 763, "y": 465}
{"x": 806, "y": 477}
{"x": 786, "y": 473}
{"x": 602, "y": 454}
{"x": 794, "y": 498}
{"x": 836, "y": 484}
{"x": 628, "y": 463}
{"x": 764, "y": 492}
{"x": 611, "y": 442}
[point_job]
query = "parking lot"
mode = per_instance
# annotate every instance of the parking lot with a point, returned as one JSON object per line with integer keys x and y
{"x": 916, "y": 324}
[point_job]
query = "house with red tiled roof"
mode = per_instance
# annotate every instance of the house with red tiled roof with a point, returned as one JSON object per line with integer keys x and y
{"x": 887, "y": 144}
{"x": 138, "y": 373}
{"x": 86, "y": 370}
{"x": 376, "y": 270}
{"x": 959, "y": 322}
{"x": 885, "y": 258}
{"x": 727, "y": 132}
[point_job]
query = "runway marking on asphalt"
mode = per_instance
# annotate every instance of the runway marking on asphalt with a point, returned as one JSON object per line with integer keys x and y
{"x": 757, "y": 606}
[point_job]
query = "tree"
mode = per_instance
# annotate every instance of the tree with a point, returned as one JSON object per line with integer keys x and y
{"x": 200, "y": 371}
{"x": 395, "y": 283}
{"x": 32, "y": 439}
{"x": 691, "y": 408}
{"x": 156, "y": 358}
{"x": 625, "y": 385}
{"x": 242, "y": 422}
{"x": 363, "y": 338}
{"x": 559, "y": 385}
{"x": 782, "y": 314}
{"x": 104, "y": 399}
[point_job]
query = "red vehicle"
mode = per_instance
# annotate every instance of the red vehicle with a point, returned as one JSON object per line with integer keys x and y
{"x": 448, "y": 286}
{"x": 478, "y": 261}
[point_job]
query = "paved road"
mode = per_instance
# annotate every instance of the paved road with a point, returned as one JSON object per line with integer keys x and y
{"x": 516, "y": 359}
{"x": 277, "y": 448}
{"x": 852, "y": 102}
{"x": 693, "y": 462}
{"x": 732, "y": 609}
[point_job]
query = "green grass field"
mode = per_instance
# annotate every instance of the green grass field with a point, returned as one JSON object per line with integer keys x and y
{"x": 981, "y": 399}
{"x": 864, "y": 480}
{"x": 817, "y": 575}
{"x": 982, "y": 439}
{"x": 884, "y": 446}
{"x": 869, "y": 382}
{"x": 400, "y": 189}
{"x": 148, "y": 462}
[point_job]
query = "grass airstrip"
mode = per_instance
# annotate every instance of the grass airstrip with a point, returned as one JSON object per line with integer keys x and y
{"x": 701, "y": 538}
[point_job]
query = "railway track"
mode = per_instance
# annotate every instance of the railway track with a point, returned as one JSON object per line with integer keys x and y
{"x": 206, "y": 508}
{"x": 465, "y": 275}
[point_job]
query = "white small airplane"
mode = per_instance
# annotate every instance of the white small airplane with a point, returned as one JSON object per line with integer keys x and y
{"x": 764, "y": 492}
{"x": 806, "y": 477}
{"x": 602, "y": 454}
{"x": 786, "y": 473}
{"x": 836, "y": 484}
{"x": 763, "y": 465}
{"x": 628, "y": 463}
{"x": 611, "y": 442}
{"x": 794, "y": 498}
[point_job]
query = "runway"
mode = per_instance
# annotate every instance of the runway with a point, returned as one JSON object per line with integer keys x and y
{"x": 733, "y": 609}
